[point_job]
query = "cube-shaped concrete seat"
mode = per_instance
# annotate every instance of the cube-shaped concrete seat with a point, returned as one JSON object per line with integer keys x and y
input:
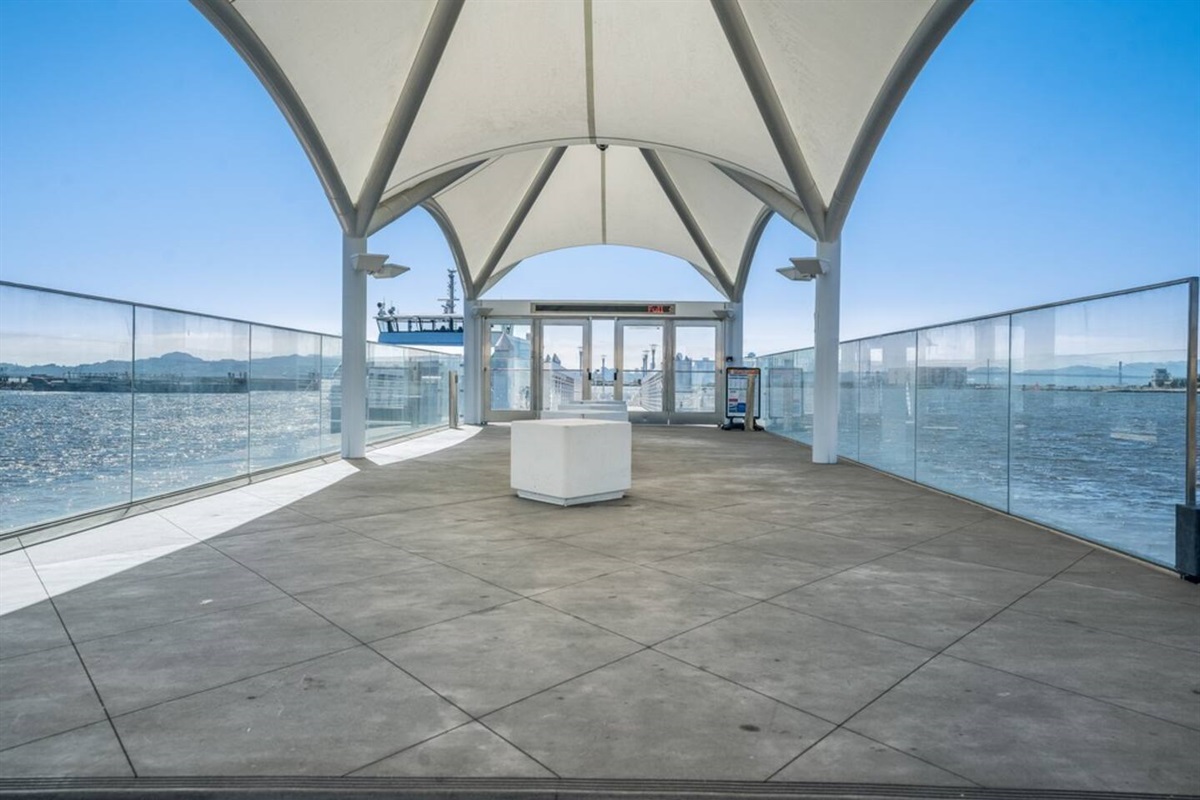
{"x": 615, "y": 414}
{"x": 571, "y": 461}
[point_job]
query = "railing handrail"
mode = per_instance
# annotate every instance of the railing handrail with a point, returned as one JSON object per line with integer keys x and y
{"x": 999, "y": 314}
{"x": 152, "y": 306}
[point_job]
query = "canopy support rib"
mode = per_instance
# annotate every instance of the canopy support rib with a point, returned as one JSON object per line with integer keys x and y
{"x": 401, "y": 203}
{"x": 758, "y": 80}
{"x": 518, "y": 218}
{"x": 772, "y": 198}
{"x": 925, "y": 39}
{"x": 689, "y": 221}
{"x": 226, "y": 19}
{"x": 448, "y": 230}
{"x": 756, "y": 232}
{"x": 425, "y": 64}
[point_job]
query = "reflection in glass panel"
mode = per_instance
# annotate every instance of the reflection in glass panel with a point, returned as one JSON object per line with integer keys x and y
{"x": 696, "y": 368}
{"x": 787, "y": 393}
{"x": 604, "y": 356}
{"x": 562, "y": 360}
{"x": 285, "y": 396}
{"x": 510, "y": 353}
{"x": 887, "y": 374}
{"x": 428, "y": 370}
{"x": 640, "y": 362}
{"x": 1098, "y": 412}
{"x": 962, "y": 410}
{"x": 391, "y": 392}
{"x": 65, "y": 404}
{"x": 331, "y": 394}
{"x": 191, "y": 410}
{"x": 848, "y": 400}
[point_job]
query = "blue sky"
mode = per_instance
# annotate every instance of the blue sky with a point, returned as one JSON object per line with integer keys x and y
{"x": 1049, "y": 150}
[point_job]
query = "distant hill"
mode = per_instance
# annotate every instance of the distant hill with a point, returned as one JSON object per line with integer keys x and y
{"x": 1141, "y": 369}
{"x": 176, "y": 363}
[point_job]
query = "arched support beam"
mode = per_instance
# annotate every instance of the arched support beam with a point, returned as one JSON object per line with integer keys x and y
{"x": 460, "y": 260}
{"x": 916, "y": 53}
{"x": 518, "y": 218}
{"x": 401, "y": 203}
{"x": 724, "y": 284}
{"x": 772, "y": 198}
{"x": 226, "y": 19}
{"x": 770, "y": 108}
{"x": 429, "y": 54}
{"x": 743, "y": 273}
{"x": 499, "y": 274}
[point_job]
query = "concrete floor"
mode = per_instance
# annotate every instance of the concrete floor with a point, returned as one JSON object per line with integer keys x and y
{"x": 741, "y": 615}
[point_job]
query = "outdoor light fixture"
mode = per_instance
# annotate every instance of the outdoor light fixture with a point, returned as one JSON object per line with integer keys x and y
{"x": 804, "y": 269}
{"x": 376, "y": 266}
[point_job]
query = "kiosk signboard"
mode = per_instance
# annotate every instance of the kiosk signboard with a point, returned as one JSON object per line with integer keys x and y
{"x": 737, "y": 387}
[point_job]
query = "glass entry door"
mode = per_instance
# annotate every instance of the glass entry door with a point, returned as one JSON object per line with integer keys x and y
{"x": 604, "y": 359}
{"x": 564, "y": 356}
{"x": 698, "y": 367}
{"x": 639, "y": 378}
{"x": 509, "y": 370}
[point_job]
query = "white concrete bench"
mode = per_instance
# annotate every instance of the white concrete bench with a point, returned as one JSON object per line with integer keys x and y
{"x": 571, "y": 461}
{"x": 615, "y": 410}
{"x": 587, "y": 413}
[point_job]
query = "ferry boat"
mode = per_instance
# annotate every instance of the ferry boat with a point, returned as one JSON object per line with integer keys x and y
{"x": 445, "y": 329}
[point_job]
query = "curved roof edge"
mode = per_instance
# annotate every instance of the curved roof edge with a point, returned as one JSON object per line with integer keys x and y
{"x": 916, "y": 53}
{"x": 245, "y": 41}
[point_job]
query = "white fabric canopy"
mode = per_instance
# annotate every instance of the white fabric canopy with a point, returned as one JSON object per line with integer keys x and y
{"x": 490, "y": 112}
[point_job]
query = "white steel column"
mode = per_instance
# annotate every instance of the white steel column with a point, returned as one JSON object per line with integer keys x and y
{"x": 472, "y": 376}
{"x": 354, "y": 350}
{"x": 733, "y": 335}
{"x": 825, "y": 391}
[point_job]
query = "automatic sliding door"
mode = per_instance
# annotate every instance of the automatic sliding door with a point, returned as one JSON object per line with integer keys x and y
{"x": 604, "y": 359}
{"x": 640, "y": 369}
{"x": 697, "y": 368}
{"x": 509, "y": 370}
{"x": 563, "y": 356}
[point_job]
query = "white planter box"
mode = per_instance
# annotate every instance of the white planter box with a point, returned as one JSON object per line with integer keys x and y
{"x": 571, "y": 461}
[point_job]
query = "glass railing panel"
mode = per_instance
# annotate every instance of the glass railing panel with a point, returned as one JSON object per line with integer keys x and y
{"x": 392, "y": 390}
{"x": 1098, "y": 412}
{"x": 787, "y": 393}
{"x": 285, "y": 396}
{"x": 65, "y": 405}
{"x": 191, "y": 400}
{"x": 331, "y": 394}
{"x": 848, "y": 373}
{"x": 428, "y": 409}
{"x": 962, "y": 410}
{"x": 886, "y": 398}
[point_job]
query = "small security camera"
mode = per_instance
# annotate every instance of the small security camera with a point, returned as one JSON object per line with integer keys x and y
{"x": 601, "y": 147}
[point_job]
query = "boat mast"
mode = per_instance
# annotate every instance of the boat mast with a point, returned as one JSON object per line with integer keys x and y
{"x": 449, "y": 303}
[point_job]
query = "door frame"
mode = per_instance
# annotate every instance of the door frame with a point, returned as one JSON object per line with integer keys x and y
{"x": 700, "y": 417}
{"x": 669, "y": 325}
{"x": 508, "y": 415}
{"x": 585, "y": 371}
{"x": 656, "y": 417}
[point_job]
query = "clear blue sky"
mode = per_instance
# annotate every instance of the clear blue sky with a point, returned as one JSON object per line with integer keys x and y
{"x": 1049, "y": 150}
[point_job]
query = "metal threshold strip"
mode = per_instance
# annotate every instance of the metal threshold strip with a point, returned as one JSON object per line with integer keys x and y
{"x": 314, "y": 788}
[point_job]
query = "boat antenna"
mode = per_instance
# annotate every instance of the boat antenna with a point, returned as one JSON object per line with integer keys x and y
{"x": 450, "y": 303}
